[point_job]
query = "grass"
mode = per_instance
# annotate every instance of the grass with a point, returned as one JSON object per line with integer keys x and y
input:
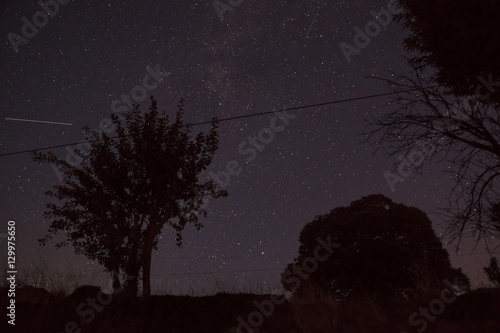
{"x": 56, "y": 281}
{"x": 218, "y": 307}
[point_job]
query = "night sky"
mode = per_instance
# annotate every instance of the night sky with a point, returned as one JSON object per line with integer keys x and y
{"x": 262, "y": 56}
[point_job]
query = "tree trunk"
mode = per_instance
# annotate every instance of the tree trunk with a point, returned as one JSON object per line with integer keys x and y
{"x": 132, "y": 268}
{"x": 146, "y": 276}
{"x": 133, "y": 264}
{"x": 131, "y": 286}
{"x": 146, "y": 265}
{"x": 115, "y": 278}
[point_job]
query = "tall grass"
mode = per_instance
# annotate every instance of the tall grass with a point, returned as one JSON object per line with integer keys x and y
{"x": 56, "y": 281}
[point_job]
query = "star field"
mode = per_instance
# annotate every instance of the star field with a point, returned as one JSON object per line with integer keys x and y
{"x": 263, "y": 56}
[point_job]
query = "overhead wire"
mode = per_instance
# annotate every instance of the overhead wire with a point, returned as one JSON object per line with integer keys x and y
{"x": 220, "y": 120}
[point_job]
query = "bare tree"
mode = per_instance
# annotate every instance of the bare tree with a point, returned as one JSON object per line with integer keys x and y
{"x": 458, "y": 129}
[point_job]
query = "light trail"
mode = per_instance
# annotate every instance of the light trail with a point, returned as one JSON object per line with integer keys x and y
{"x": 307, "y": 35}
{"x": 39, "y": 121}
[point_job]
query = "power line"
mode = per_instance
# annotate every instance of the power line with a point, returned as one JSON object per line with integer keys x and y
{"x": 207, "y": 272}
{"x": 235, "y": 118}
{"x": 223, "y": 272}
{"x": 226, "y": 258}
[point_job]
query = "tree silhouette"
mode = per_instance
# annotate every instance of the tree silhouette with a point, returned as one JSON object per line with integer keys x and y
{"x": 386, "y": 249}
{"x": 460, "y": 40}
{"x": 493, "y": 271}
{"x": 495, "y": 216}
{"x": 458, "y": 130}
{"x": 113, "y": 207}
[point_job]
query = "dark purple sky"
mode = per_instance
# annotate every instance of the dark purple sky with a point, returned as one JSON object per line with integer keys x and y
{"x": 263, "y": 56}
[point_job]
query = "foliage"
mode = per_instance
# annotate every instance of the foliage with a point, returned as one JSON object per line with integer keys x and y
{"x": 459, "y": 39}
{"x": 386, "y": 249}
{"x": 113, "y": 206}
{"x": 493, "y": 271}
{"x": 457, "y": 130}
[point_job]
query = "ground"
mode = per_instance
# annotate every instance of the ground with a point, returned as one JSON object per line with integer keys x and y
{"x": 90, "y": 310}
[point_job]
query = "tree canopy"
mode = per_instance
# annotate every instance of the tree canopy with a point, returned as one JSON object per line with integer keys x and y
{"x": 385, "y": 249}
{"x": 493, "y": 271}
{"x": 458, "y": 120}
{"x": 113, "y": 206}
{"x": 460, "y": 40}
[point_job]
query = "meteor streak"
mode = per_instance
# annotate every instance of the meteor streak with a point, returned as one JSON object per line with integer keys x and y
{"x": 39, "y": 121}
{"x": 307, "y": 35}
